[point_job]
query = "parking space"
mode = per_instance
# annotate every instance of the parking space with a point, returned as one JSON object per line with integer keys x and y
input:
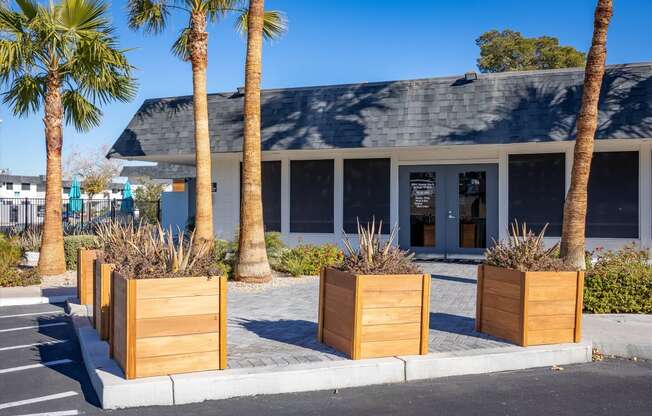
{"x": 41, "y": 370}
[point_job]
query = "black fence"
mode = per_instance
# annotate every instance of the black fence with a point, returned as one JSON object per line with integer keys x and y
{"x": 20, "y": 213}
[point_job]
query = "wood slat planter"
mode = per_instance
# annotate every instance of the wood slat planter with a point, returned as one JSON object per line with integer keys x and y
{"x": 85, "y": 258}
{"x": 367, "y": 316}
{"x": 102, "y": 297}
{"x": 168, "y": 326}
{"x": 530, "y": 308}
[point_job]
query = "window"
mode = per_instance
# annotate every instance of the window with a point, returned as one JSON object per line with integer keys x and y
{"x": 613, "y": 196}
{"x": 366, "y": 193}
{"x": 9, "y": 186}
{"x": 536, "y": 191}
{"x": 40, "y": 187}
{"x": 24, "y": 186}
{"x": 66, "y": 190}
{"x": 271, "y": 184}
{"x": 311, "y": 196}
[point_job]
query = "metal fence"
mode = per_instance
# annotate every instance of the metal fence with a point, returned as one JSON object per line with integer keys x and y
{"x": 21, "y": 213}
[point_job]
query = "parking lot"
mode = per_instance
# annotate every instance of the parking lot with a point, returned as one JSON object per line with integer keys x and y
{"x": 41, "y": 371}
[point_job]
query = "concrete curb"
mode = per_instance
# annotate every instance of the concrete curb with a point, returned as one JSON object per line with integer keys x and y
{"x": 115, "y": 392}
{"x": 494, "y": 360}
{"x": 622, "y": 335}
{"x": 35, "y": 300}
{"x": 215, "y": 385}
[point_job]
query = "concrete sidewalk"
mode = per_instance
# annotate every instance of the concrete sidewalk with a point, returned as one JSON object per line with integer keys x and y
{"x": 30, "y": 295}
{"x": 622, "y": 335}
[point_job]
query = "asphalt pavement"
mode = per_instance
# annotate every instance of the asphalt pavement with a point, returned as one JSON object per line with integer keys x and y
{"x": 41, "y": 373}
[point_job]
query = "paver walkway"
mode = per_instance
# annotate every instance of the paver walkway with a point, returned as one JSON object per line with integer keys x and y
{"x": 278, "y": 327}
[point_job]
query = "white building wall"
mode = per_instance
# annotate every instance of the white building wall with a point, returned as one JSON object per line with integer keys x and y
{"x": 226, "y": 171}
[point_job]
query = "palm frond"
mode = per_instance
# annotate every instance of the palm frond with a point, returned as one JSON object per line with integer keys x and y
{"x": 180, "y": 46}
{"x": 25, "y": 94}
{"x": 216, "y": 9}
{"x": 77, "y": 110}
{"x": 274, "y": 24}
{"x": 150, "y": 15}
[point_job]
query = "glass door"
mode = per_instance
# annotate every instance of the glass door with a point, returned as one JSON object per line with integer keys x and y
{"x": 448, "y": 210}
{"x": 472, "y": 208}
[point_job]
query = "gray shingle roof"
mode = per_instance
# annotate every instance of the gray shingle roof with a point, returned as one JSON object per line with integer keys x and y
{"x": 496, "y": 108}
{"x": 159, "y": 171}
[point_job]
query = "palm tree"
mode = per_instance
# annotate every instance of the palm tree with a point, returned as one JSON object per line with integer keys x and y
{"x": 192, "y": 45}
{"x": 252, "y": 263}
{"x": 572, "y": 238}
{"x": 63, "y": 57}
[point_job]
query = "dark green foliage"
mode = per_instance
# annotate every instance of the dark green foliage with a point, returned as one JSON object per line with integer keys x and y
{"x": 510, "y": 51}
{"x": 11, "y": 255}
{"x": 619, "y": 282}
{"x": 72, "y": 243}
{"x": 225, "y": 252}
{"x": 147, "y": 197}
{"x": 308, "y": 259}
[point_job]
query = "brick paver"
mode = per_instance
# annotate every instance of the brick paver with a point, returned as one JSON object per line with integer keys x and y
{"x": 278, "y": 327}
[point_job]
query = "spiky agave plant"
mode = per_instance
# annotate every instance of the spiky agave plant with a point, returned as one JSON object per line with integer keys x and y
{"x": 524, "y": 250}
{"x": 375, "y": 255}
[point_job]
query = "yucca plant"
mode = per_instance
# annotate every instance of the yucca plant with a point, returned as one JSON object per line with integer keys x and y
{"x": 525, "y": 251}
{"x": 145, "y": 251}
{"x": 375, "y": 256}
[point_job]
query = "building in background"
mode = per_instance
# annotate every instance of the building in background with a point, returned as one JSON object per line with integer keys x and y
{"x": 451, "y": 160}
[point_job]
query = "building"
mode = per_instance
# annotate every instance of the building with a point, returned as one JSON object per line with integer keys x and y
{"x": 452, "y": 160}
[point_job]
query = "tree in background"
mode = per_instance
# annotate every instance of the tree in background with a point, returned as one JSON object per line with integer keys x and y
{"x": 252, "y": 264}
{"x": 147, "y": 196}
{"x": 64, "y": 57}
{"x": 96, "y": 171}
{"x": 192, "y": 45}
{"x": 573, "y": 230}
{"x": 510, "y": 51}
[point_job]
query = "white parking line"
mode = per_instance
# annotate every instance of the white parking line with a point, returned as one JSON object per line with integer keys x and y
{"x": 39, "y": 365}
{"x": 61, "y": 413}
{"x": 36, "y": 344}
{"x": 32, "y": 314}
{"x": 34, "y": 327}
{"x": 38, "y": 399}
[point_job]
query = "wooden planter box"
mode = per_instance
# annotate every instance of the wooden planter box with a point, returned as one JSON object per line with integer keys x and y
{"x": 530, "y": 308}
{"x": 368, "y": 316}
{"x": 102, "y": 297}
{"x": 85, "y": 258}
{"x": 168, "y": 326}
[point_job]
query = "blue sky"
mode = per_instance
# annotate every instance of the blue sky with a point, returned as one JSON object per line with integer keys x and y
{"x": 337, "y": 41}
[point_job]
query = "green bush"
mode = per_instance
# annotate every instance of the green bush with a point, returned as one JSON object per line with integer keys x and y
{"x": 72, "y": 243}
{"x": 225, "y": 252}
{"x": 619, "y": 282}
{"x": 308, "y": 259}
{"x": 11, "y": 255}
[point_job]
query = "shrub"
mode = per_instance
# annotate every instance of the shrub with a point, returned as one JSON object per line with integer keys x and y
{"x": 524, "y": 251}
{"x": 374, "y": 256}
{"x": 308, "y": 259}
{"x": 146, "y": 251}
{"x": 227, "y": 252}
{"x": 71, "y": 243}
{"x": 619, "y": 282}
{"x": 10, "y": 257}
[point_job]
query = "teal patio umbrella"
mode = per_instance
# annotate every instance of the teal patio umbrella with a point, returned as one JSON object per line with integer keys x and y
{"x": 127, "y": 199}
{"x": 74, "y": 201}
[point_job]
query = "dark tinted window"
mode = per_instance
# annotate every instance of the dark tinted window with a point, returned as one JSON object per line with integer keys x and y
{"x": 311, "y": 196}
{"x": 366, "y": 192}
{"x": 9, "y": 186}
{"x": 613, "y": 195}
{"x": 536, "y": 191}
{"x": 271, "y": 184}
{"x": 40, "y": 187}
{"x": 24, "y": 186}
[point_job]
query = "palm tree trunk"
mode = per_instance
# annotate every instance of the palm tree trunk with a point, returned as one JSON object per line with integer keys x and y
{"x": 252, "y": 264}
{"x": 199, "y": 59}
{"x": 52, "y": 260}
{"x": 573, "y": 232}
